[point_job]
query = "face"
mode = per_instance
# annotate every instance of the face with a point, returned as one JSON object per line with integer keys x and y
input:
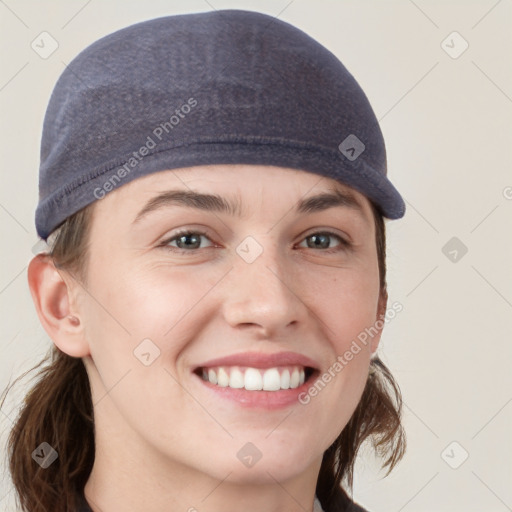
{"x": 180, "y": 288}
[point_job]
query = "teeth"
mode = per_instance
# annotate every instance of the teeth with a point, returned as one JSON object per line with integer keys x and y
{"x": 285, "y": 379}
{"x": 236, "y": 379}
{"x": 212, "y": 376}
{"x": 254, "y": 379}
{"x": 271, "y": 380}
{"x": 222, "y": 378}
{"x": 294, "y": 378}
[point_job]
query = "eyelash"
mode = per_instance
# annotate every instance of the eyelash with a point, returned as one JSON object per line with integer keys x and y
{"x": 344, "y": 244}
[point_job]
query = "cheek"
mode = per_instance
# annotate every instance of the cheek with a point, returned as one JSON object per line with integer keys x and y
{"x": 136, "y": 326}
{"x": 349, "y": 313}
{"x": 349, "y": 305}
{"x": 129, "y": 307}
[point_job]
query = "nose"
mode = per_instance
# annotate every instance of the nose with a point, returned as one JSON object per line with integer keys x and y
{"x": 263, "y": 295}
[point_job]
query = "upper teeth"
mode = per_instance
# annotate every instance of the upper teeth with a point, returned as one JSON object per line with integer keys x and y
{"x": 255, "y": 379}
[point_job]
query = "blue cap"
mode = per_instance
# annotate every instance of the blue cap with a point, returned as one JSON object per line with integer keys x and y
{"x": 221, "y": 87}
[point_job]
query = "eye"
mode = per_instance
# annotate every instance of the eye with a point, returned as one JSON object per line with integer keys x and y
{"x": 321, "y": 240}
{"x": 186, "y": 241}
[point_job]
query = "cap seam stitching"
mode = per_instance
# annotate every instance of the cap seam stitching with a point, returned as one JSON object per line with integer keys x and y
{"x": 70, "y": 187}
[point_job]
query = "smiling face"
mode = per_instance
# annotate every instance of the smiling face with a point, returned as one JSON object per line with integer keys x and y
{"x": 174, "y": 288}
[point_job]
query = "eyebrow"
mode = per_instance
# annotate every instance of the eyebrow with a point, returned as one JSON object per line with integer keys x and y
{"x": 215, "y": 203}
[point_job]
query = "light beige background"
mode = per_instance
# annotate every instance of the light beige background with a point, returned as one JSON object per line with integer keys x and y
{"x": 447, "y": 124}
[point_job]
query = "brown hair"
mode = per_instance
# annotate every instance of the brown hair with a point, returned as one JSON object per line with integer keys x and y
{"x": 58, "y": 409}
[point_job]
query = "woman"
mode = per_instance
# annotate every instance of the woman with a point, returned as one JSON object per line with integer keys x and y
{"x": 213, "y": 191}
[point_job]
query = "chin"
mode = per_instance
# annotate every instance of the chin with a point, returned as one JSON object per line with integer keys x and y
{"x": 265, "y": 473}
{"x": 266, "y": 465}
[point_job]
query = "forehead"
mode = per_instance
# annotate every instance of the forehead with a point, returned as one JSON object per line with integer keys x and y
{"x": 233, "y": 189}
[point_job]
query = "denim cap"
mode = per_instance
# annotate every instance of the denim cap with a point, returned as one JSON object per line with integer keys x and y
{"x": 220, "y": 87}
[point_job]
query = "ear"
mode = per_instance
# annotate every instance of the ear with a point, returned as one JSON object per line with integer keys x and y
{"x": 54, "y": 299}
{"x": 379, "y": 320}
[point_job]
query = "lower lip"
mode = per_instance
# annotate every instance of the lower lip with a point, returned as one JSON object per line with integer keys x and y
{"x": 261, "y": 399}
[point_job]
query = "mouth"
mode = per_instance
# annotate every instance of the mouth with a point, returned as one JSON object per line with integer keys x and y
{"x": 272, "y": 379}
{"x": 257, "y": 380}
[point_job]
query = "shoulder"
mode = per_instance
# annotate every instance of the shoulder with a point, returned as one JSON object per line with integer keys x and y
{"x": 354, "y": 507}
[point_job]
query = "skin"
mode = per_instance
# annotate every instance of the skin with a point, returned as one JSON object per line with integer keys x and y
{"x": 162, "y": 442}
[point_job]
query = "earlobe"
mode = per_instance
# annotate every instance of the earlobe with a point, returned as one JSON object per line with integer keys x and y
{"x": 53, "y": 300}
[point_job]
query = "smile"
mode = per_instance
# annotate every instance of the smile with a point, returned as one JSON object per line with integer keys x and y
{"x": 256, "y": 379}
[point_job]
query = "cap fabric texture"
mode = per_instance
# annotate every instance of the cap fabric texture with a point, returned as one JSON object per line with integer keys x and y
{"x": 221, "y": 87}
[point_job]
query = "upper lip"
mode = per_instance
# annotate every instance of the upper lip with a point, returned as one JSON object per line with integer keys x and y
{"x": 259, "y": 360}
